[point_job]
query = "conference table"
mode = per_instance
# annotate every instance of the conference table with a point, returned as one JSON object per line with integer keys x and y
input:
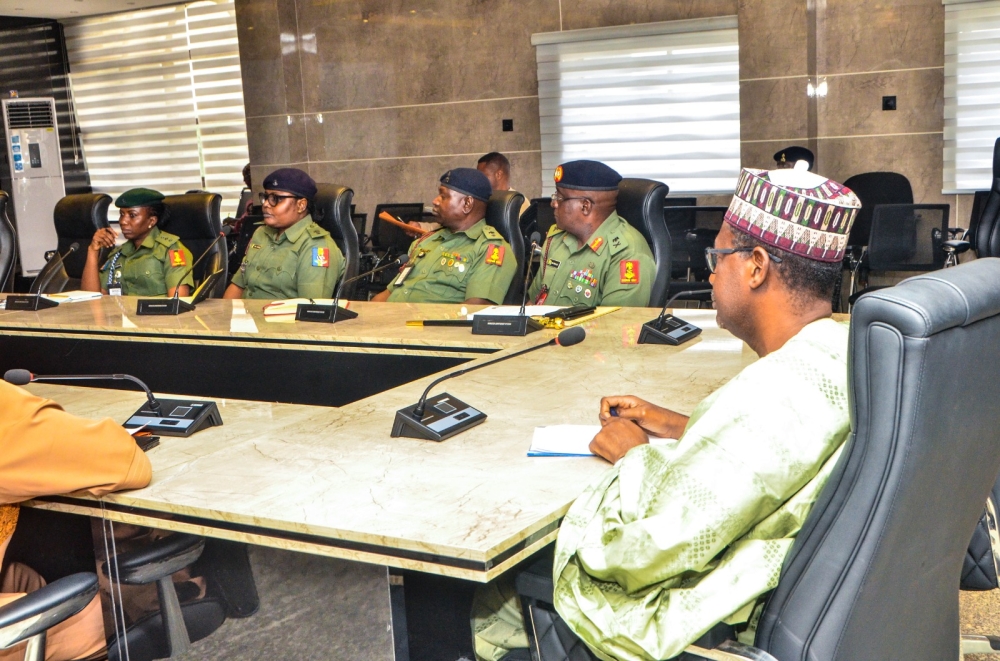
{"x": 332, "y": 482}
{"x": 229, "y": 348}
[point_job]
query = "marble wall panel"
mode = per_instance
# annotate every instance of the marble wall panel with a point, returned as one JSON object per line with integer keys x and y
{"x": 880, "y": 34}
{"x": 377, "y": 181}
{"x": 773, "y": 38}
{"x": 290, "y": 39}
{"x": 578, "y": 14}
{"x": 453, "y": 128}
{"x": 773, "y": 109}
{"x": 377, "y": 53}
{"x": 273, "y": 140}
{"x": 260, "y": 58}
{"x": 918, "y": 157}
{"x": 853, "y": 105}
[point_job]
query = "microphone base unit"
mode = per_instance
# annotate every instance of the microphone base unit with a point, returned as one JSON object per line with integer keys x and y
{"x": 176, "y": 417}
{"x": 29, "y": 302}
{"x": 444, "y": 416}
{"x": 162, "y": 306}
{"x": 322, "y": 313}
{"x": 488, "y": 324}
{"x": 668, "y": 329}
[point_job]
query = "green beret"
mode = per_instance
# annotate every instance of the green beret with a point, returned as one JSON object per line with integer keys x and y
{"x": 138, "y": 197}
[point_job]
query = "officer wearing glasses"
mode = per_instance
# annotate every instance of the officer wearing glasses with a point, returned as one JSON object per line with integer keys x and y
{"x": 290, "y": 256}
{"x": 591, "y": 256}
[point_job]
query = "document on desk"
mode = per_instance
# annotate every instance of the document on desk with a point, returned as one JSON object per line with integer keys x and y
{"x": 72, "y": 296}
{"x": 563, "y": 441}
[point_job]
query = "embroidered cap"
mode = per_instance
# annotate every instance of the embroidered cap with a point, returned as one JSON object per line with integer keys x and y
{"x": 291, "y": 180}
{"x": 794, "y": 210}
{"x": 468, "y": 181}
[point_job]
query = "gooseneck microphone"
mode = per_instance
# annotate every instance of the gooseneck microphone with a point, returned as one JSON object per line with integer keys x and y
{"x": 668, "y": 329}
{"x": 399, "y": 261}
{"x": 167, "y": 417}
{"x": 449, "y": 416}
{"x": 174, "y": 305}
{"x": 223, "y": 233}
{"x": 527, "y": 274}
{"x": 24, "y": 377}
{"x": 510, "y": 324}
{"x": 58, "y": 259}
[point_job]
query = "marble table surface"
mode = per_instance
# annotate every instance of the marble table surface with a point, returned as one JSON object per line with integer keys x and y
{"x": 379, "y": 326}
{"x": 332, "y": 481}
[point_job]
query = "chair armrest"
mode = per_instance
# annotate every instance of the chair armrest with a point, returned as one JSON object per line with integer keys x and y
{"x": 730, "y": 651}
{"x": 535, "y": 582}
{"x": 162, "y": 558}
{"x": 45, "y": 608}
{"x": 957, "y": 247}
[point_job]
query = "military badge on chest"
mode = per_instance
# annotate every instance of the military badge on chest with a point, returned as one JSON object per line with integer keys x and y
{"x": 455, "y": 261}
{"x": 581, "y": 281}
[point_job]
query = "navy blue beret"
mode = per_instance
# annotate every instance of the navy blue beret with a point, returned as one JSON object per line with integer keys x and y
{"x": 586, "y": 175}
{"x": 291, "y": 180}
{"x": 793, "y": 154}
{"x": 468, "y": 181}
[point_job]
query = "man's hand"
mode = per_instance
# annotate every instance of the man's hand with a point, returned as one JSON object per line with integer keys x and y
{"x": 103, "y": 238}
{"x": 617, "y": 437}
{"x": 654, "y": 420}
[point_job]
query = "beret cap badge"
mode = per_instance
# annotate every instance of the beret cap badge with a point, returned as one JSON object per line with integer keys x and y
{"x": 558, "y": 174}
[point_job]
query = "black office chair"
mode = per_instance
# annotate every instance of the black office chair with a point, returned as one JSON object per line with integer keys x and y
{"x": 502, "y": 214}
{"x": 873, "y": 189}
{"x": 77, "y": 218}
{"x": 987, "y": 232}
{"x": 30, "y": 617}
{"x": 8, "y": 242}
{"x": 692, "y": 229}
{"x": 874, "y": 572}
{"x": 332, "y": 212}
{"x": 640, "y": 202}
{"x": 905, "y": 237}
{"x": 538, "y": 217}
{"x": 388, "y": 239}
{"x": 196, "y": 219}
{"x": 672, "y": 201}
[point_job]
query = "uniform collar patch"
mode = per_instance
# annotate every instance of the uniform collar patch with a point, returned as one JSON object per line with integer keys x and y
{"x": 596, "y": 244}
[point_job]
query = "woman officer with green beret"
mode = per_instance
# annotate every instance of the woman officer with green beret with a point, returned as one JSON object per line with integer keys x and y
{"x": 151, "y": 262}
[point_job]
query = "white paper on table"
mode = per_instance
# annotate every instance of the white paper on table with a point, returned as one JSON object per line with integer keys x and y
{"x": 563, "y": 441}
{"x": 73, "y": 296}
{"x": 514, "y": 310}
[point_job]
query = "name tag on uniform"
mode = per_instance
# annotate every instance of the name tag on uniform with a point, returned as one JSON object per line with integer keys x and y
{"x": 402, "y": 276}
{"x": 115, "y": 291}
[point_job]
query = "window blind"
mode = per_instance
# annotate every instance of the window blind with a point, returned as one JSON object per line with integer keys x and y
{"x": 971, "y": 94}
{"x": 159, "y": 99}
{"x": 656, "y": 100}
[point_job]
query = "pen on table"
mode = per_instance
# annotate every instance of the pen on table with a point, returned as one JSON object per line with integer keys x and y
{"x": 440, "y": 322}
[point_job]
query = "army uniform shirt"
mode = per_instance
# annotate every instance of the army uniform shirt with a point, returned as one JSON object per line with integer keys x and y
{"x": 615, "y": 267}
{"x": 301, "y": 262}
{"x": 452, "y": 267}
{"x": 152, "y": 269}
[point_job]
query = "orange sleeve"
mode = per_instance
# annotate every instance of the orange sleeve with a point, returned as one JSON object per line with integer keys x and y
{"x": 45, "y": 451}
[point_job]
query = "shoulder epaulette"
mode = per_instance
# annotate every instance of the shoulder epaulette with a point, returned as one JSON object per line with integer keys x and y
{"x": 491, "y": 233}
{"x": 315, "y": 231}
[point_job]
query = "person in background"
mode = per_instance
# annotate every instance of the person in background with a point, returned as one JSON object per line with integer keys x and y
{"x": 290, "y": 256}
{"x": 789, "y": 156}
{"x": 151, "y": 262}
{"x": 45, "y": 451}
{"x": 496, "y": 167}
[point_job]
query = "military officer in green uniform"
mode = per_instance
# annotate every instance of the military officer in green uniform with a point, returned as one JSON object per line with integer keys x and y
{"x": 290, "y": 256}
{"x": 591, "y": 256}
{"x": 466, "y": 261}
{"x": 151, "y": 262}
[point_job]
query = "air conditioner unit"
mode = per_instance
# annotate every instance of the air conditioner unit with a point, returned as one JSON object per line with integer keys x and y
{"x": 35, "y": 176}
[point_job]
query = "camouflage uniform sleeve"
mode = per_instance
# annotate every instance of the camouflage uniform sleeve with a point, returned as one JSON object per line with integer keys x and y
{"x": 313, "y": 281}
{"x": 173, "y": 274}
{"x": 487, "y": 279}
{"x": 616, "y": 292}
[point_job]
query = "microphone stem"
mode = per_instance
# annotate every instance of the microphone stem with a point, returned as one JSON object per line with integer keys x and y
{"x": 51, "y": 274}
{"x": 155, "y": 405}
{"x": 336, "y": 300}
{"x": 527, "y": 277}
{"x": 418, "y": 412}
{"x": 177, "y": 289}
{"x": 693, "y": 292}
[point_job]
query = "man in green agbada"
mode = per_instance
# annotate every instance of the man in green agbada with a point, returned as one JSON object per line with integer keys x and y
{"x": 681, "y": 535}
{"x": 151, "y": 262}
{"x": 290, "y": 256}
{"x": 466, "y": 261}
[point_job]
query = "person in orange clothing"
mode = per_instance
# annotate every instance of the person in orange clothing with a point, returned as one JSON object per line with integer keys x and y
{"x": 45, "y": 451}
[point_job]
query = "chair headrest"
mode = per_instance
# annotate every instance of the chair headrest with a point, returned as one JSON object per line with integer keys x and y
{"x": 328, "y": 198}
{"x": 637, "y": 198}
{"x": 503, "y": 211}
{"x": 77, "y": 216}
{"x": 193, "y": 216}
{"x": 933, "y": 302}
{"x": 996, "y": 160}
